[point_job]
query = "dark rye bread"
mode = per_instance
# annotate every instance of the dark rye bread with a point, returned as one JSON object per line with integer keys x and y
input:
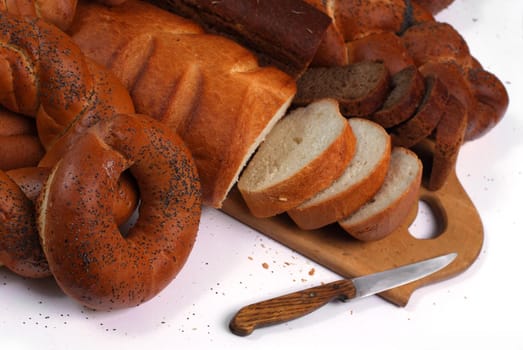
{"x": 284, "y": 33}
{"x": 426, "y": 118}
{"x": 360, "y": 88}
{"x": 408, "y": 88}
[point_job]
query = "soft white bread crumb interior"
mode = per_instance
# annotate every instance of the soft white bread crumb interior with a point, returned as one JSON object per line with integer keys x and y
{"x": 372, "y": 142}
{"x": 294, "y": 142}
{"x": 404, "y": 168}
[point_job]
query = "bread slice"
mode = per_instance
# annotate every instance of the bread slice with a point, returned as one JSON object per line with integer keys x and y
{"x": 426, "y": 118}
{"x": 303, "y": 154}
{"x": 360, "y": 88}
{"x": 391, "y": 205}
{"x": 361, "y": 179}
{"x": 406, "y": 95}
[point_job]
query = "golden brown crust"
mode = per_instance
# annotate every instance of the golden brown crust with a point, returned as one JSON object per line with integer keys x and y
{"x": 215, "y": 92}
{"x": 20, "y": 249}
{"x": 97, "y": 266}
{"x": 20, "y": 151}
{"x": 65, "y": 98}
{"x": 58, "y": 12}
{"x": 314, "y": 177}
{"x": 18, "y": 141}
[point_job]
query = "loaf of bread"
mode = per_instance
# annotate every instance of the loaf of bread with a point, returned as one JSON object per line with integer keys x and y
{"x": 359, "y": 182}
{"x": 284, "y": 33}
{"x": 303, "y": 154}
{"x": 209, "y": 89}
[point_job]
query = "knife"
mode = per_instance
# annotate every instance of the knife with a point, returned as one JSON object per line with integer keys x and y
{"x": 291, "y": 306}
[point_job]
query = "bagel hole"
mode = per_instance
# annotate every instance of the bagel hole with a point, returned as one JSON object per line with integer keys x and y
{"x": 429, "y": 222}
{"x": 128, "y": 225}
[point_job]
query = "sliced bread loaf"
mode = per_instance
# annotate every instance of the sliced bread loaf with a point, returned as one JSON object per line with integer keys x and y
{"x": 303, "y": 154}
{"x": 359, "y": 182}
{"x": 360, "y": 88}
{"x": 392, "y": 203}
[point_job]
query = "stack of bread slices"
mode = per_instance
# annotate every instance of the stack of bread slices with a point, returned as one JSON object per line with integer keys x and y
{"x": 322, "y": 168}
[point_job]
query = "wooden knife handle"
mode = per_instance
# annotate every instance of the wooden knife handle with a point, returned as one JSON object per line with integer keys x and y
{"x": 288, "y": 307}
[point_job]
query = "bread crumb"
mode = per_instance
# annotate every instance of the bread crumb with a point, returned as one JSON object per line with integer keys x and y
{"x": 265, "y": 265}
{"x": 249, "y": 257}
{"x": 312, "y": 271}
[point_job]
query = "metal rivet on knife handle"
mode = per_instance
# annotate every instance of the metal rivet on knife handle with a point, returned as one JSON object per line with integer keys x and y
{"x": 288, "y": 307}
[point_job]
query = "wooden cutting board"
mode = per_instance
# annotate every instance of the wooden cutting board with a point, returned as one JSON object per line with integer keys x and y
{"x": 461, "y": 232}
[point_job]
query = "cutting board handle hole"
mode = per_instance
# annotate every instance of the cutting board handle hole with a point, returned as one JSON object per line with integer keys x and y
{"x": 430, "y": 222}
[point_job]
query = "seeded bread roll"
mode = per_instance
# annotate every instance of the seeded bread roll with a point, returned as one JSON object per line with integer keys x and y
{"x": 303, "y": 154}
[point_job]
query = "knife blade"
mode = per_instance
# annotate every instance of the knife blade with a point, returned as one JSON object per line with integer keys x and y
{"x": 291, "y": 306}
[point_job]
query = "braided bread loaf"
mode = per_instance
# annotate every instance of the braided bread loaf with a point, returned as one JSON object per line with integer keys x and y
{"x": 86, "y": 122}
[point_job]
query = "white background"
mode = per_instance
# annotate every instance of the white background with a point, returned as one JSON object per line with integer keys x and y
{"x": 479, "y": 309}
